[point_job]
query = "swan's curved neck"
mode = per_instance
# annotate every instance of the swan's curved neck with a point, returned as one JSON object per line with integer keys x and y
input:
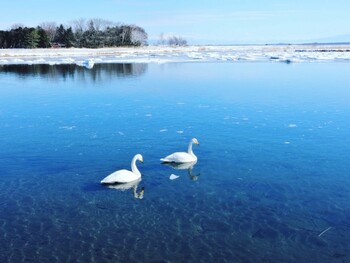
{"x": 190, "y": 148}
{"x": 134, "y": 167}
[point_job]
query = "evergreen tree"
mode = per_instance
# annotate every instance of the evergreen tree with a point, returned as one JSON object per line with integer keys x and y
{"x": 31, "y": 38}
{"x": 69, "y": 38}
{"x": 60, "y": 34}
{"x": 44, "y": 40}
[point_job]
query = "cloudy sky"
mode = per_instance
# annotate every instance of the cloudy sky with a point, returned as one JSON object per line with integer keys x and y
{"x": 200, "y": 21}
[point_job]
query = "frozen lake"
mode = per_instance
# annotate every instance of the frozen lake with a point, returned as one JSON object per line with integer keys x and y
{"x": 271, "y": 183}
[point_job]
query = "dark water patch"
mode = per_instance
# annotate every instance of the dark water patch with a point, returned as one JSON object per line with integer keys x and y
{"x": 100, "y": 72}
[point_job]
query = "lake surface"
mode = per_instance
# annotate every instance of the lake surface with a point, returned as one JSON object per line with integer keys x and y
{"x": 271, "y": 183}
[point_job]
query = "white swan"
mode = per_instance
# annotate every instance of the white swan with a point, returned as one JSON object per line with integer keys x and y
{"x": 125, "y": 176}
{"x": 182, "y": 157}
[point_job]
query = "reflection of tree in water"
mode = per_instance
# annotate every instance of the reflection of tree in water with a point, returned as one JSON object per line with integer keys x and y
{"x": 100, "y": 72}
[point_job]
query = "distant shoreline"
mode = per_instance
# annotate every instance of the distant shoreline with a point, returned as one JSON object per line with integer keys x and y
{"x": 166, "y": 54}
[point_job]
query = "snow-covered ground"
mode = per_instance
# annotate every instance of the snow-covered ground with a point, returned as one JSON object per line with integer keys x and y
{"x": 161, "y": 54}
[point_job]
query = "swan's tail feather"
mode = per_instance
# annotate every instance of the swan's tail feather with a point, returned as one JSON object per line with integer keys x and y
{"x": 163, "y": 160}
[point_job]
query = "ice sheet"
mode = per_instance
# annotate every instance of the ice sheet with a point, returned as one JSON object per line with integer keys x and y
{"x": 164, "y": 54}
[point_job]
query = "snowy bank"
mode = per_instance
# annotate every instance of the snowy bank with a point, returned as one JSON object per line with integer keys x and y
{"x": 162, "y": 54}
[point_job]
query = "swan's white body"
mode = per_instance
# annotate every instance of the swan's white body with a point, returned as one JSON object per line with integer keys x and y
{"x": 182, "y": 157}
{"x": 125, "y": 176}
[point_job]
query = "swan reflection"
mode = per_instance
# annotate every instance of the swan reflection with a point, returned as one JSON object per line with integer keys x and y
{"x": 131, "y": 185}
{"x": 185, "y": 166}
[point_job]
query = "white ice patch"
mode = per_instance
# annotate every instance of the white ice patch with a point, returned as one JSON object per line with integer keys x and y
{"x": 163, "y": 130}
{"x": 173, "y": 176}
{"x": 292, "y": 125}
{"x": 67, "y": 127}
{"x": 165, "y": 54}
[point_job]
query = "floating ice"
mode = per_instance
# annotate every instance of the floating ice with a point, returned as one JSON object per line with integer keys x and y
{"x": 67, "y": 127}
{"x": 163, "y": 130}
{"x": 173, "y": 176}
{"x": 292, "y": 125}
{"x": 162, "y": 54}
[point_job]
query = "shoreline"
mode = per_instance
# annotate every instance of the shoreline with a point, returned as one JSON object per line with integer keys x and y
{"x": 167, "y": 54}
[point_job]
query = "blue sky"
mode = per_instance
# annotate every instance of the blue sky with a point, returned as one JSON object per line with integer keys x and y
{"x": 200, "y": 22}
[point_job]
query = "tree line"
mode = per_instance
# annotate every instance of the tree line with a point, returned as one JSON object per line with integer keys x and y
{"x": 93, "y": 33}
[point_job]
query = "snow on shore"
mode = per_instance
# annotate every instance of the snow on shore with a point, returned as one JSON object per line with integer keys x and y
{"x": 161, "y": 54}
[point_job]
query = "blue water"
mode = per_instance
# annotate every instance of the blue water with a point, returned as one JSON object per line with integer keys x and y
{"x": 273, "y": 168}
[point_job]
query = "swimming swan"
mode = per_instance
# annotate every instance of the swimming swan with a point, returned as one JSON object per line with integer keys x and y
{"x": 182, "y": 157}
{"x": 125, "y": 176}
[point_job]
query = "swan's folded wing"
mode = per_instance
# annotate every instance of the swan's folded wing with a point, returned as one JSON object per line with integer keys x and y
{"x": 121, "y": 176}
{"x": 178, "y": 157}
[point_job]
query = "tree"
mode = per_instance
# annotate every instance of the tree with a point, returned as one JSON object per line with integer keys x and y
{"x": 50, "y": 29}
{"x": 17, "y": 25}
{"x": 125, "y": 35}
{"x": 100, "y": 24}
{"x": 93, "y": 33}
{"x": 44, "y": 39}
{"x": 4, "y": 39}
{"x": 138, "y": 36}
{"x": 69, "y": 38}
{"x": 162, "y": 40}
{"x": 64, "y": 36}
{"x": 31, "y": 38}
{"x": 59, "y": 35}
{"x": 172, "y": 40}
{"x": 78, "y": 26}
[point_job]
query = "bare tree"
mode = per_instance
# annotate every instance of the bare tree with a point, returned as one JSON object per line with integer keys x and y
{"x": 101, "y": 24}
{"x": 50, "y": 29}
{"x": 162, "y": 40}
{"x": 17, "y": 25}
{"x": 171, "y": 40}
{"x": 138, "y": 35}
{"x": 78, "y": 25}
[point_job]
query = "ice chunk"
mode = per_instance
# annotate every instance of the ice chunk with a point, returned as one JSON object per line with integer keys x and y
{"x": 173, "y": 176}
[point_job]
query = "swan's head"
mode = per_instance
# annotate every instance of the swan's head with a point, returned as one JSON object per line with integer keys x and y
{"x": 195, "y": 141}
{"x": 139, "y": 157}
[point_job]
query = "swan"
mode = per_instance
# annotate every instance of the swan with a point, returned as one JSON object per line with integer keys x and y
{"x": 125, "y": 176}
{"x": 182, "y": 157}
